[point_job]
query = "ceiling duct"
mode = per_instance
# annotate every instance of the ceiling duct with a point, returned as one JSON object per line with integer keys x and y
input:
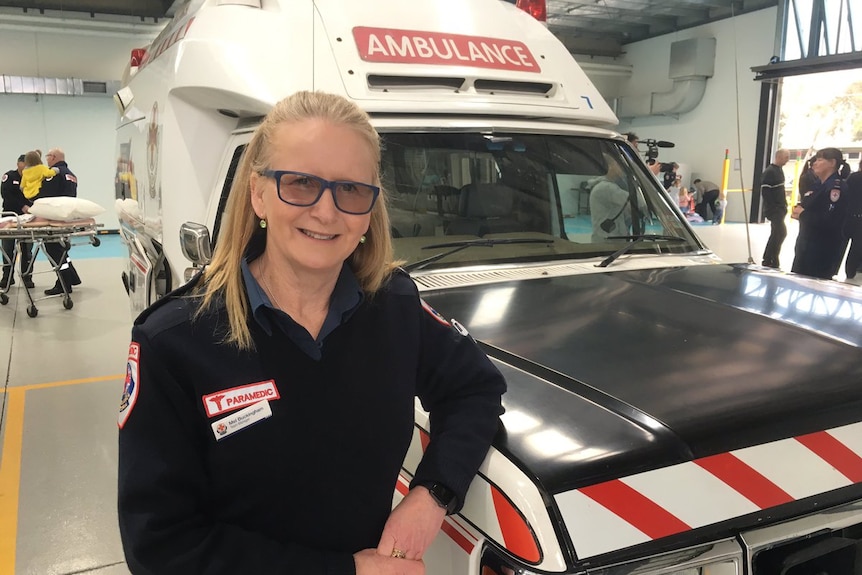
{"x": 692, "y": 61}
{"x": 57, "y": 86}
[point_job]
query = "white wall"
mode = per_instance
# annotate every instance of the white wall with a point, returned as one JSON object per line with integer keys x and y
{"x": 717, "y": 123}
{"x": 83, "y": 126}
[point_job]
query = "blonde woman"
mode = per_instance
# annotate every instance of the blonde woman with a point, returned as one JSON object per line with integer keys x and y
{"x": 269, "y": 404}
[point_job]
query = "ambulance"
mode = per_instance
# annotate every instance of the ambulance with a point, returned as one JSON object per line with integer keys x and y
{"x": 667, "y": 413}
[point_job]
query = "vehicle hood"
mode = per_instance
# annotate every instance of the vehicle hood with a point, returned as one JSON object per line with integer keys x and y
{"x": 650, "y": 368}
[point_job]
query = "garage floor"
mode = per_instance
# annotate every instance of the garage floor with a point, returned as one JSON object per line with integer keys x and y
{"x": 61, "y": 377}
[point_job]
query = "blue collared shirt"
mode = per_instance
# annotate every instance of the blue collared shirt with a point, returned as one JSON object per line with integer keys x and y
{"x": 343, "y": 302}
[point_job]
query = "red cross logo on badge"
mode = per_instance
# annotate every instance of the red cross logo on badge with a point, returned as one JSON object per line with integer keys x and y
{"x": 221, "y": 429}
{"x": 834, "y": 195}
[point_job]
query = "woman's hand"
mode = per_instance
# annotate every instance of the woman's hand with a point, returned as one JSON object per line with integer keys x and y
{"x": 412, "y": 525}
{"x": 370, "y": 562}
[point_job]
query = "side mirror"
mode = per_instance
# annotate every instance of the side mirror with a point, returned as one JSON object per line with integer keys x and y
{"x": 195, "y": 243}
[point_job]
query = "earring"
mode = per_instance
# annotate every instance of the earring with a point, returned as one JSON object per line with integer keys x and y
{"x": 262, "y": 224}
{"x": 362, "y": 239}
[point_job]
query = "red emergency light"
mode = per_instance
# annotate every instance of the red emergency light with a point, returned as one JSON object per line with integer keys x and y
{"x": 137, "y": 56}
{"x": 538, "y": 9}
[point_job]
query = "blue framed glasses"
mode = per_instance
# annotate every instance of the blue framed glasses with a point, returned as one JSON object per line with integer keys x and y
{"x": 303, "y": 190}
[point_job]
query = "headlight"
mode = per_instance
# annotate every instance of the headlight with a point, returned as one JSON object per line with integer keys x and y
{"x": 720, "y": 558}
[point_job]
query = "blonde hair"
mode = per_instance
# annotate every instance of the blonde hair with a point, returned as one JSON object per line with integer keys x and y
{"x": 33, "y": 158}
{"x": 371, "y": 262}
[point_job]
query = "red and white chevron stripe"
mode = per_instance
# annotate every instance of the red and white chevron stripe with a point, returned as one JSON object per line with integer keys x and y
{"x": 654, "y": 504}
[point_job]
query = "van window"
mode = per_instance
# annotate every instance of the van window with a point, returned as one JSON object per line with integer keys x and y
{"x": 581, "y": 194}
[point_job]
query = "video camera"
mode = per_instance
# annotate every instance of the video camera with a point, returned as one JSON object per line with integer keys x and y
{"x": 653, "y": 146}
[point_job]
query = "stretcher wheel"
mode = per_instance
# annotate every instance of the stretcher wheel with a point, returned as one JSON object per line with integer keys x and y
{"x": 4, "y": 299}
{"x": 32, "y": 311}
{"x": 67, "y": 302}
{"x": 96, "y": 242}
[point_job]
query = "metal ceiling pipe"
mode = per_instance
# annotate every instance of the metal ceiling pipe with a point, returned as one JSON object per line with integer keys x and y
{"x": 692, "y": 61}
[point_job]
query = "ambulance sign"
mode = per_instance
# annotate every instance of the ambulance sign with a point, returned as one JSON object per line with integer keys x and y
{"x": 437, "y": 48}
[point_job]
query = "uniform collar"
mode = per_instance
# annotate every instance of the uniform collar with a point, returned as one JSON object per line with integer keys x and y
{"x": 344, "y": 301}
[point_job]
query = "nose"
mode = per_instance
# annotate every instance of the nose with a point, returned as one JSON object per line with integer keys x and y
{"x": 325, "y": 210}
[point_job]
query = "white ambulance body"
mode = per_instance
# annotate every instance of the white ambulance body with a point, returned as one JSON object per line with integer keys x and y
{"x": 415, "y": 66}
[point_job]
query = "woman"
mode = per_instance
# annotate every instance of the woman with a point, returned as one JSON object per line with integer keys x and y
{"x": 820, "y": 244}
{"x": 303, "y": 321}
{"x": 853, "y": 225}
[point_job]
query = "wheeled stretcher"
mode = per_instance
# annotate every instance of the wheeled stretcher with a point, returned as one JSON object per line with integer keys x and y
{"x": 39, "y": 232}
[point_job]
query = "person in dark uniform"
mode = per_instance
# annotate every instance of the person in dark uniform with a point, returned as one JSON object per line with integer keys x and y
{"x": 269, "y": 402}
{"x": 14, "y": 201}
{"x": 853, "y": 225}
{"x": 820, "y": 244}
{"x": 65, "y": 183}
{"x": 774, "y": 207}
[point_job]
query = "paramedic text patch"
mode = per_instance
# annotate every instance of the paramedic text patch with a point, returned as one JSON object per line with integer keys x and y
{"x": 236, "y": 397}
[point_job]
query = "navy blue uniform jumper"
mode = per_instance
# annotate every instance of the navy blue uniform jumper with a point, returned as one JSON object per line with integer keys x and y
{"x": 14, "y": 201}
{"x": 304, "y": 489}
{"x": 65, "y": 183}
{"x": 821, "y": 243}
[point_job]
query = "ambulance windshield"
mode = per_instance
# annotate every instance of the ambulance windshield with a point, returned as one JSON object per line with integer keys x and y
{"x": 582, "y": 195}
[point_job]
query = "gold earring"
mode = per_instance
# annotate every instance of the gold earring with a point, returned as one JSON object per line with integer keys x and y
{"x": 262, "y": 224}
{"x": 362, "y": 239}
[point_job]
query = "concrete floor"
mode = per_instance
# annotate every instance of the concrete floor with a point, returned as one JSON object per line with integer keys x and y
{"x": 61, "y": 377}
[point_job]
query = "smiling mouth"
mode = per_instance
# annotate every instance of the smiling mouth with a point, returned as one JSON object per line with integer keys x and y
{"x": 317, "y": 236}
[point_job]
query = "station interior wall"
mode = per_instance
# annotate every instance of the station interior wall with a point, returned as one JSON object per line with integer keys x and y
{"x": 725, "y": 119}
{"x": 84, "y": 126}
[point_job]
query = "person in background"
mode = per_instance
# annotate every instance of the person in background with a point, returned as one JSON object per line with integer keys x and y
{"x": 35, "y": 172}
{"x": 674, "y": 190}
{"x": 64, "y": 184}
{"x": 669, "y": 174}
{"x": 853, "y": 225}
{"x": 608, "y": 202}
{"x": 304, "y": 307}
{"x": 820, "y": 244}
{"x": 685, "y": 200}
{"x": 707, "y": 194}
{"x": 14, "y": 201}
{"x": 774, "y": 206}
{"x": 633, "y": 140}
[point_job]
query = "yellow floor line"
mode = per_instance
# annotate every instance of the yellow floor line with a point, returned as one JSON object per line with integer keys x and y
{"x": 10, "y": 478}
{"x": 50, "y": 384}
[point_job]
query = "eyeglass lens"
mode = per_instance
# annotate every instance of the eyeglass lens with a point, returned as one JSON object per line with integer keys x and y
{"x": 351, "y": 197}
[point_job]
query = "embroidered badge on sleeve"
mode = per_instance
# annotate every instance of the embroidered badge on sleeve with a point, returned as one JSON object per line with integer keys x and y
{"x": 433, "y": 312}
{"x": 131, "y": 386}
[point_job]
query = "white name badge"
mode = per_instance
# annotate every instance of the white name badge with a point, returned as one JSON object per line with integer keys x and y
{"x": 241, "y": 419}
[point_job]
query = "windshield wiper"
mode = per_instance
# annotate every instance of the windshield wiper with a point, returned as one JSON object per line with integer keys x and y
{"x": 464, "y": 244}
{"x": 635, "y": 240}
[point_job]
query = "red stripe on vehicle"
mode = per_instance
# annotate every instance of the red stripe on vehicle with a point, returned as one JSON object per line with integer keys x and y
{"x": 457, "y": 537}
{"x": 835, "y": 453}
{"x": 401, "y": 486}
{"x": 745, "y": 480}
{"x": 516, "y": 533}
{"x": 633, "y": 507}
{"x": 425, "y": 439}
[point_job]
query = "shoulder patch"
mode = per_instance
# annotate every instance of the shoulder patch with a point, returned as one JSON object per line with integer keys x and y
{"x": 132, "y": 385}
{"x": 71, "y": 178}
{"x": 5, "y": 177}
{"x": 433, "y": 313}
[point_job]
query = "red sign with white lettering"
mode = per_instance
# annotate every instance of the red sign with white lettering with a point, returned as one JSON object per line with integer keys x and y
{"x": 436, "y": 48}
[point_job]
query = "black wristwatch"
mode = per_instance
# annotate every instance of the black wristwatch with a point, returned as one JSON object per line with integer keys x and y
{"x": 444, "y": 496}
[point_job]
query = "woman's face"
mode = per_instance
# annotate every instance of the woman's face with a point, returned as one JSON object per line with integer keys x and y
{"x": 824, "y": 168}
{"x": 315, "y": 238}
